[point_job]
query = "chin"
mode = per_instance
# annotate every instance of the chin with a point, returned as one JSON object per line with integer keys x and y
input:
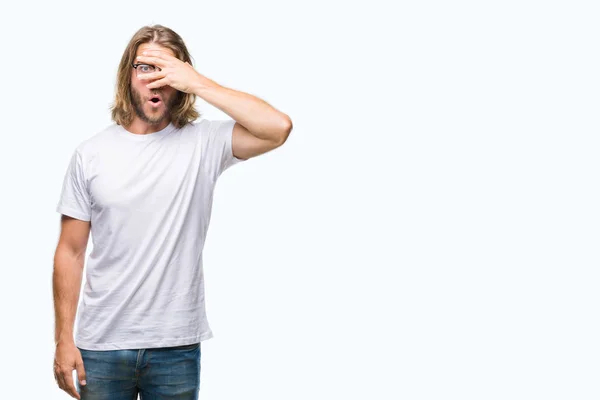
{"x": 155, "y": 120}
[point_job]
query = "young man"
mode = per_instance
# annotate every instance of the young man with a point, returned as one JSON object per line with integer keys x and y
{"x": 144, "y": 187}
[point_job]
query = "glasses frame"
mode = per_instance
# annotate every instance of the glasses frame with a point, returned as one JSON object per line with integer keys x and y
{"x": 134, "y": 65}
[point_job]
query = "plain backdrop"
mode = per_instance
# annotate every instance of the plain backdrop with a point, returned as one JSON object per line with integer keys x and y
{"x": 429, "y": 230}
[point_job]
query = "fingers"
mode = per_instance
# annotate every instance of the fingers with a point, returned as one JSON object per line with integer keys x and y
{"x": 58, "y": 376}
{"x": 159, "y": 83}
{"x": 65, "y": 382}
{"x": 59, "y": 380}
{"x": 151, "y": 60}
{"x": 70, "y": 385}
{"x": 157, "y": 57}
{"x": 80, "y": 372}
{"x": 64, "y": 377}
{"x": 152, "y": 75}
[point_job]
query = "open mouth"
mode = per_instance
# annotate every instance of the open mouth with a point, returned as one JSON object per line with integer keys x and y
{"x": 155, "y": 100}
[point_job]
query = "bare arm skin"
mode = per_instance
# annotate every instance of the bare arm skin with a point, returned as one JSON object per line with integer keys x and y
{"x": 69, "y": 261}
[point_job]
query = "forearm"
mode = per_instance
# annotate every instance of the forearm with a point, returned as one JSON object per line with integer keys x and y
{"x": 256, "y": 115}
{"x": 66, "y": 283}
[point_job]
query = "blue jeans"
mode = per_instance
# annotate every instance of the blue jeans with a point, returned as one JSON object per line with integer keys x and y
{"x": 155, "y": 373}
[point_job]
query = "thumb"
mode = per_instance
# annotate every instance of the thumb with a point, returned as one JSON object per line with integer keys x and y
{"x": 80, "y": 372}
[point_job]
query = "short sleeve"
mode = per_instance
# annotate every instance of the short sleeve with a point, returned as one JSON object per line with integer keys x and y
{"x": 219, "y": 148}
{"x": 75, "y": 199}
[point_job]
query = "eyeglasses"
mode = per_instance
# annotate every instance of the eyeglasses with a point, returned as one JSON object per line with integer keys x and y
{"x": 144, "y": 68}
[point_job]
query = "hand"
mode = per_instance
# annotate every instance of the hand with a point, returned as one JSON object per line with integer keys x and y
{"x": 173, "y": 72}
{"x": 67, "y": 358}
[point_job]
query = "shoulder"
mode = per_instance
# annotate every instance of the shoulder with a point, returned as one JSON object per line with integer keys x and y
{"x": 99, "y": 140}
{"x": 204, "y": 124}
{"x": 195, "y": 126}
{"x": 206, "y": 128}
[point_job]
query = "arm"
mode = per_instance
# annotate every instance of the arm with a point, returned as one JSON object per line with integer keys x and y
{"x": 68, "y": 271}
{"x": 66, "y": 283}
{"x": 259, "y": 126}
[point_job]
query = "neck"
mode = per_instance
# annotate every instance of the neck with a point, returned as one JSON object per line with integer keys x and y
{"x": 142, "y": 127}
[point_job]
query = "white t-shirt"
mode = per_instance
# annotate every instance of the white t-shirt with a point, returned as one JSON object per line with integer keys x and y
{"x": 149, "y": 200}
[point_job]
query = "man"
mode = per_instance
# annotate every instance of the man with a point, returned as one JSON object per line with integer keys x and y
{"x": 144, "y": 187}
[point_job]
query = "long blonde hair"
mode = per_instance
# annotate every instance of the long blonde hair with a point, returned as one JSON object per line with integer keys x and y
{"x": 183, "y": 110}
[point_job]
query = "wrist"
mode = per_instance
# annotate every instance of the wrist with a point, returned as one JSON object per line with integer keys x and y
{"x": 64, "y": 339}
{"x": 204, "y": 85}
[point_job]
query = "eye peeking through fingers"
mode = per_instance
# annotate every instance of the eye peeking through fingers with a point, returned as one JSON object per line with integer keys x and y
{"x": 145, "y": 68}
